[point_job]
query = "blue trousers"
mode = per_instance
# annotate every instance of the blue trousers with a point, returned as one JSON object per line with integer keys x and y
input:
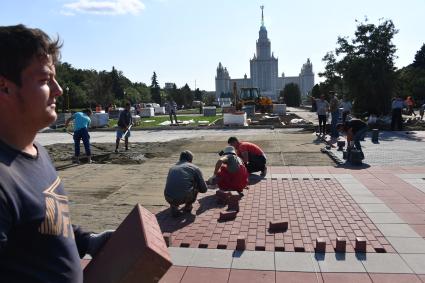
{"x": 82, "y": 134}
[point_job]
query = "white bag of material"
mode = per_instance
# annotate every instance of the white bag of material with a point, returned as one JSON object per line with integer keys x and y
{"x": 235, "y": 119}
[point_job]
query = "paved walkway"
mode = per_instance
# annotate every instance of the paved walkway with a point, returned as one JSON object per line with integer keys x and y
{"x": 384, "y": 204}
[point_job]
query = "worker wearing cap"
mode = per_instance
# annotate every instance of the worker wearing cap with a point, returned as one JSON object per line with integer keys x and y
{"x": 230, "y": 174}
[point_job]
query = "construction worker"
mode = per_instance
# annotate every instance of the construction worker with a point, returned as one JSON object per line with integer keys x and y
{"x": 355, "y": 130}
{"x": 184, "y": 181}
{"x": 252, "y": 155}
{"x": 38, "y": 243}
{"x": 230, "y": 173}
{"x": 81, "y": 124}
{"x": 124, "y": 124}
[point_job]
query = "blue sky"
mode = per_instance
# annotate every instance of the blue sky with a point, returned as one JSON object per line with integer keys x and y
{"x": 184, "y": 40}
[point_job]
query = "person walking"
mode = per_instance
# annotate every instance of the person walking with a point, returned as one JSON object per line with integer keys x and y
{"x": 396, "y": 114}
{"x": 38, "y": 242}
{"x": 322, "y": 108}
{"x": 184, "y": 182}
{"x": 334, "y": 109}
{"x": 172, "y": 110}
{"x": 81, "y": 124}
{"x": 125, "y": 122}
{"x": 410, "y": 103}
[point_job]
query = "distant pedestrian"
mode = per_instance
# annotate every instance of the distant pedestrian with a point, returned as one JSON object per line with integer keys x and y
{"x": 230, "y": 173}
{"x": 346, "y": 108}
{"x": 184, "y": 181}
{"x": 81, "y": 124}
{"x": 396, "y": 118}
{"x": 421, "y": 111}
{"x": 334, "y": 109}
{"x": 322, "y": 107}
{"x": 252, "y": 155}
{"x": 172, "y": 110}
{"x": 410, "y": 103}
{"x": 125, "y": 121}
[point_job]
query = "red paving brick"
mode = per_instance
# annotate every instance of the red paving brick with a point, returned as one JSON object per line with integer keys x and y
{"x": 298, "y": 277}
{"x": 346, "y": 278}
{"x": 251, "y": 276}
{"x": 394, "y": 278}
{"x": 205, "y": 275}
{"x": 313, "y": 207}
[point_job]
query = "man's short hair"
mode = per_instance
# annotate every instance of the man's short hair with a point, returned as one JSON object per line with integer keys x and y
{"x": 18, "y": 47}
{"x": 186, "y": 156}
{"x": 232, "y": 140}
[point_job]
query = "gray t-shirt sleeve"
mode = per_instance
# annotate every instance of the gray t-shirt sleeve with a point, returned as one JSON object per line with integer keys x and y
{"x": 199, "y": 179}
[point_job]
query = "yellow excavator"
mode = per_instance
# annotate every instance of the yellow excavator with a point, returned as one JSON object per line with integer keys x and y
{"x": 252, "y": 96}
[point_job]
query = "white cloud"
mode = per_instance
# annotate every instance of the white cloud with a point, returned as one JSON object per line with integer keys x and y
{"x": 106, "y": 7}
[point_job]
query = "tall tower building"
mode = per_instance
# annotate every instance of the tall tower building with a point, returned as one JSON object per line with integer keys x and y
{"x": 264, "y": 72}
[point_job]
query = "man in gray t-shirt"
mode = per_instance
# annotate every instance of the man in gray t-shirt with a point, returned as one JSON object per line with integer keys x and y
{"x": 184, "y": 181}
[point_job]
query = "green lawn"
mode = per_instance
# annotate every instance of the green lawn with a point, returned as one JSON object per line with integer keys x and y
{"x": 157, "y": 120}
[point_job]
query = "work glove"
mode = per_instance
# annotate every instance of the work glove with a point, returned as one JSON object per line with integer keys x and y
{"x": 96, "y": 241}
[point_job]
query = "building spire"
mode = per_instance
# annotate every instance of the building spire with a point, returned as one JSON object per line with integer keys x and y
{"x": 262, "y": 15}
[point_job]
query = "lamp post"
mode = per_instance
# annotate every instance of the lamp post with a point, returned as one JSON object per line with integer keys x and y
{"x": 67, "y": 96}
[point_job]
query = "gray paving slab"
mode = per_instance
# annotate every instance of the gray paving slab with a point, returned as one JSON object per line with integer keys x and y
{"x": 410, "y": 176}
{"x": 291, "y": 261}
{"x": 366, "y": 199}
{"x": 258, "y": 260}
{"x": 181, "y": 256}
{"x": 385, "y": 263}
{"x": 211, "y": 258}
{"x": 393, "y": 148}
{"x": 300, "y": 176}
{"x": 385, "y": 218}
{"x": 397, "y": 230}
{"x": 415, "y": 262}
{"x": 375, "y": 207}
{"x": 322, "y": 176}
{"x": 407, "y": 245}
{"x": 339, "y": 262}
{"x": 281, "y": 176}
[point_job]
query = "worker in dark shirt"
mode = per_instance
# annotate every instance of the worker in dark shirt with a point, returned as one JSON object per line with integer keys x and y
{"x": 355, "y": 130}
{"x": 38, "y": 243}
{"x": 125, "y": 122}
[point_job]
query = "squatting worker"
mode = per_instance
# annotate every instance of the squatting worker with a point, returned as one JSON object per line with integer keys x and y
{"x": 230, "y": 174}
{"x": 184, "y": 181}
{"x": 124, "y": 122}
{"x": 81, "y": 132}
{"x": 38, "y": 243}
{"x": 355, "y": 130}
{"x": 252, "y": 155}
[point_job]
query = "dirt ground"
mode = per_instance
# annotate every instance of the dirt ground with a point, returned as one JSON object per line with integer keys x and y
{"x": 103, "y": 193}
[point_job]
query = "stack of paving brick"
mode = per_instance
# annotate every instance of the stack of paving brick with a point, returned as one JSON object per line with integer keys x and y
{"x": 136, "y": 252}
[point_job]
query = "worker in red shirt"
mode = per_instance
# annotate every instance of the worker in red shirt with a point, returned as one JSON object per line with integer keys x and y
{"x": 252, "y": 155}
{"x": 230, "y": 173}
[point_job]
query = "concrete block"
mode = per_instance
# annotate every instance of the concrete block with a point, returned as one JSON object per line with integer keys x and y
{"x": 320, "y": 245}
{"x": 241, "y": 243}
{"x": 136, "y": 252}
{"x": 278, "y": 225}
{"x": 341, "y": 244}
{"x": 360, "y": 244}
{"x": 228, "y": 215}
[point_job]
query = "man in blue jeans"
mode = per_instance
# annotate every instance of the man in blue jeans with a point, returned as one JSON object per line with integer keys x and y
{"x": 355, "y": 130}
{"x": 81, "y": 124}
{"x": 334, "y": 109}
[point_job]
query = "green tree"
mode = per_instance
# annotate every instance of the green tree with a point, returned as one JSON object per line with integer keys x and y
{"x": 198, "y": 94}
{"x": 367, "y": 66}
{"x": 291, "y": 95}
{"x": 419, "y": 61}
{"x": 187, "y": 94}
{"x": 155, "y": 89}
{"x": 315, "y": 91}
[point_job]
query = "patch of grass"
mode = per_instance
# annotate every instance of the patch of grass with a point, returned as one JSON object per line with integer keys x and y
{"x": 157, "y": 120}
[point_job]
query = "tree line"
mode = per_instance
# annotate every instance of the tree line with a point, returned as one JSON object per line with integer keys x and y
{"x": 362, "y": 69}
{"x": 88, "y": 88}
